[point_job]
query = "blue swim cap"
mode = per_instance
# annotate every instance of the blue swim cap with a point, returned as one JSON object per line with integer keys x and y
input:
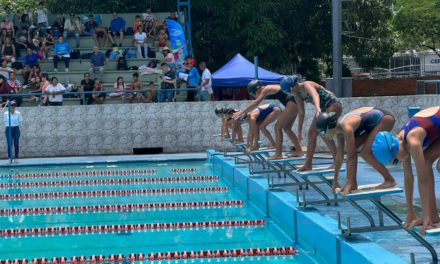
{"x": 385, "y": 147}
{"x": 288, "y": 82}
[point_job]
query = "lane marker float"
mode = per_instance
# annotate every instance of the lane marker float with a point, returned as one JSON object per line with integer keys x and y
{"x": 81, "y": 174}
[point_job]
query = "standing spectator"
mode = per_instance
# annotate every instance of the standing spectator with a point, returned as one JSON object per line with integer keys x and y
{"x": 99, "y": 97}
{"x": 61, "y": 52}
{"x": 140, "y": 40}
{"x": 8, "y": 25}
{"x": 87, "y": 86}
{"x": 25, "y": 22}
{"x": 97, "y": 62}
{"x": 55, "y": 92}
{"x": 5, "y": 70}
{"x": 167, "y": 93}
{"x": 72, "y": 27}
{"x": 192, "y": 83}
{"x": 17, "y": 88}
{"x": 27, "y": 11}
{"x": 137, "y": 86}
{"x": 117, "y": 27}
{"x": 162, "y": 39}
{"x": 91, "y": 28}
{"x": 169, "y": 57}
{"x": 42, "y": 21}
{"x": 8, "y": 51}
{"x": 119, "y": 86}
{"x": 150, "y": 22}
{"x": 5, "y": 88}
{"x": 12, "y": 130}
{"x": 57, "y": 27}
{"x": 206, "y": 84}
{"x": 137, "y": 23}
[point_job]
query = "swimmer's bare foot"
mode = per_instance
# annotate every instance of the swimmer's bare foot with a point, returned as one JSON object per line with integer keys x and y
{"x": 411, "y": 221}
{"x": 331, "y": 167}
{"x": 348, "y": 188}
{"x": 296, "y": 155}
{"x": 275, "y": 157}
{"x": 427, "y": 224}
{"x": 386, "y": 185}
{"x": 336, "y": 185}
{"x": 239, "y": 142}
{"x": 305, "y": 167}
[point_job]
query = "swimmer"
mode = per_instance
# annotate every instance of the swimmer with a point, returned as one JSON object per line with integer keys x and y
{"x": 323, "y": 101}
{"x": 286, "y": 119}
{"x": 419, "y": 139}
{"x": 259, "y": 119}
{"x": 356, "y": 129}
{"x": 228, "y": 123}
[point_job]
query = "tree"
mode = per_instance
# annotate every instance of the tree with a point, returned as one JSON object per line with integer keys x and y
{"x": 418, "y": 24}
{"x": 17, "y": 6}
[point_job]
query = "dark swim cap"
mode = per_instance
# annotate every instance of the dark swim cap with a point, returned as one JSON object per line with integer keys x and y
{"x": 253, "y": 86}
{"x": 326, "y": 121}
{"x": 218, "y": 111}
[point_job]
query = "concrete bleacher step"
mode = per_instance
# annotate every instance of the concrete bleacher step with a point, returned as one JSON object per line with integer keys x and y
{"x": 84, "y": 65}
{"x": 108, "y": 76}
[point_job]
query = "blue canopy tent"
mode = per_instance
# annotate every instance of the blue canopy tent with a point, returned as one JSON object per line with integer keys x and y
{"x": 239, "y": 71}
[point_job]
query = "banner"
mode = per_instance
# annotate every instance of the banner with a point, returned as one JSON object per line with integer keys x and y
{"x": 177, "y": 40}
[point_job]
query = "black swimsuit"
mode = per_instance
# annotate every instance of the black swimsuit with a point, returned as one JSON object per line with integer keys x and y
{"x": 281, "y": 96}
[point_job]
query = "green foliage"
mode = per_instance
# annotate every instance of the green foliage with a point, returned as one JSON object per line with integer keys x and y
{"x": 17, "y": 6}
{"x": 418, "y": 24}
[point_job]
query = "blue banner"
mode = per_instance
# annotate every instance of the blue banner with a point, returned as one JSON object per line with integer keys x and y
{"x": 177, "y": 40}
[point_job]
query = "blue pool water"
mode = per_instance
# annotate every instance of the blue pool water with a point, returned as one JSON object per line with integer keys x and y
{"x": 164, "y": 240}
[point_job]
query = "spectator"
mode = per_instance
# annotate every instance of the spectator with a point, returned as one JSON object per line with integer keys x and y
{"x": 137, "y": 86}
{"x": 8, "y": 51}
{"x": 5, "y": 70}
{"x": 35, "y": 72}
{"x": 151, "y": 95}
{"x": 61, "y": 52}
{"x": 17, "y": 88}
{"x": 57, "y": 27}
{"x": 12, "y": 123}
{"x": 72, "y": 27}
{"x": 173, "y": 16}
{"x": 117, "y": 27}
{"x": 192, "y": 82}
{"x": 42, "y": 21}
{"x": 91, "y": 28}
{"x": 162, "y": 39}
{"x": 99, "y": 97}
{"x": 3, "y": 36}
{"x": 167, "y": 93}
{"x": 25, "y": 22}
{"x": 169, "y": 57}
{"x": 55, "y": 92}
{"x": 43, "y": 87}
{"x": 206, "y": 83}
{"x": 27, "y": 11}
{"x": 137, "y": 23}
{"x": 8, "y": 25}
{"x": 30, "y": 59}
{"x": 87, "y": 86}
{"x": 118, "y": 86}
{"x": 5, "y": 88}
{"x": 140, "y": 40}
{"x": 35, "y": 85}
{"x": 150, "y": 22}
{"x": 22, "y": 38}
{"x": 47, "y": 43}
{"x": 97, "y": 62}
{"x": 116, "y": 54}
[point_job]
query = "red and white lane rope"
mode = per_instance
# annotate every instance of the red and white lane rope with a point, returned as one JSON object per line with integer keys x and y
{"x": 102, "y": 229}
{"x": 108, "y": 182}
{"x": 203, "y": 254}
{"x": 119, "y": 208}
{"x": 59, "y": 195}
{"x": 82, "y": 174}
{"x": 183, "y": 170}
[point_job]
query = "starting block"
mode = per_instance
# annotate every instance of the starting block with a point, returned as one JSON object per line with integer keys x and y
{"x": 367, "y": 191}
{"x": 430, "y": 232}
{"x": 286, "y": 160}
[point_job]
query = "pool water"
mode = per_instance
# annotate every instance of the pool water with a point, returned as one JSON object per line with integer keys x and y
{"x": 49, "y": 243}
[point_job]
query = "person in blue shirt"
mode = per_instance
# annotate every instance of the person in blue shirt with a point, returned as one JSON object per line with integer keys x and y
{"x": 97, "y": 63}
{"x": 192, "y": 83}
{"x": 61, "y": 51}
{"x": 14, "y": 124}
{"x": 117, "y": 27}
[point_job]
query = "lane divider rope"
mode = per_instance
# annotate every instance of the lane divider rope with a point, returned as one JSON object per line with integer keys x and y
{"x": 208, "y": 254}
{"x": 119, "y": 208}
{"x": 108, "y": 182}
{"x": 102, "y": 229}
{"x": 76, "y": 194}
{"x": 81, "y": 174}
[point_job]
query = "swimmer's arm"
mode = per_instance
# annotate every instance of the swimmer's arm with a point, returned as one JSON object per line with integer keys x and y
{"x": 416, "y": 152}
{"x": 352, "y": 157}
{"x": 234, "y": 131}
{"x": 252, "y": 105}
{"x": 339, "y": 155}
{"x": 408, "y": 183}
{"x": 311, "y": 90}
{"x": 301, "y": 111}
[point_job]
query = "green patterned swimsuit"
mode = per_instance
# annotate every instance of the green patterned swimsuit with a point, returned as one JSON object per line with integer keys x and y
{"x": 325, "y": 98}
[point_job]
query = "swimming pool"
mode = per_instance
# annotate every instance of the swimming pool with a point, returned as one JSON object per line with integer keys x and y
{"x": 134, "y": 211}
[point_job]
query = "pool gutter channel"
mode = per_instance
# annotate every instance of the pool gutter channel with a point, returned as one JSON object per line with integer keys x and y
{"x": 306, "y": 226}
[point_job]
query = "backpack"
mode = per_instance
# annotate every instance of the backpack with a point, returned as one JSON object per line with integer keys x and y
{"x": 133, "y": 68}
{"x": 129, "y": 31}
{"x": 17, "y": 65}
{"x": 75, "y": 54}
{"x": 122, "y": 64}
{"x": 108, "y": 52}
{"x": 86, "y": 56}
{"x": 151, "y": 54}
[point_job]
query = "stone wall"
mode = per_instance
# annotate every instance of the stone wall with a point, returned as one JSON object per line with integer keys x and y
{"x": 177, "y": 127}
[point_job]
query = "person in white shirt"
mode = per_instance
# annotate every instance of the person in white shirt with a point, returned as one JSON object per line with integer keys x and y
{"x": 168, "y": 55}
{"x": 206, "y": 84}
{"x": 42, "y": 20}
{"x": 140, "y": 40}
{"x": 12, "y": 124}
{"x": 55, "y": 92}
{"x": 72, "y": 27}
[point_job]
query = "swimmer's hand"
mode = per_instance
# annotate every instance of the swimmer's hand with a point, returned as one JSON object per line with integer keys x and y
{"x": 238, "y": 115}
{"x": 317, "y": 112}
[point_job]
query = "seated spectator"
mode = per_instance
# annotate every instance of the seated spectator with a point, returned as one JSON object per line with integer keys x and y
{"x": 8, "y": 25}
{"x": 43, "y": 87}
{"x": 25, "y": 22}
{"x": 30, "y": 60}
{"x": 91, "y": 28}
{"x": 162, "y": 39}
{"x": 116, "y": 54}
{"x": 42, "y": 20}
{"x": 61, "y": 51}
{"x": 35, "y": 72}
{"x": 55, "y": 92}
{"x": 58, "y": 27}
{"x": 99, "y": 97}
{"x": 167, "y": 93}
{"x": 87, "y": 86}
{"x": 118, "y": 86}
{"x": 35, "y": 86}
{"x": 17, "y": 88}
{"x": 22, "y": 38}
{"x": 97, "y": 62}
{"x": 3, "y": 36}
{"x": 169, "y": 56}
{"x": 136, "y": 84}
{"x": 5, "y": 88}
{"x": 117, "y": 27}
{"x": 150, "y": 22}
{"x": 8, "y": 51}
{"x": 173, "y": 16}
{"x": 137, "y": 23}
{"x": 151, "y": 95}
{"x": 140, "y": 41}
{"x": 5, "y": 70}
{"x": 72, "y": 27}
{"x": 47, "y": 44}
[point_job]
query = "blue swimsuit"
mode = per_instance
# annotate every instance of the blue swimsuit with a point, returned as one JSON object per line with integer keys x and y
{"x": 430, "y": 124}
{"x": 369, "y": 120}
{"x": 264, "y": 112}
